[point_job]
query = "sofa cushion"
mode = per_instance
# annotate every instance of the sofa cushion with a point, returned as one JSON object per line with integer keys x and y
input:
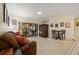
{"x": 3, "y": 45}
{"x": 13, "y": 33}
{"x": 10, "y": 39}
{"x": 22, "y": 40}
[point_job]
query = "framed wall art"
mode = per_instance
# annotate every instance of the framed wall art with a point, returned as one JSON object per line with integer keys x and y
{"x": 61, "y": 24}
{"x": 67, "y": 25}
{"x": 4, "y": 12}
{"x": 51, "y": 25}
{"x": 6, "y": 18}
{"x": 77, "y": 23}
{"x": 56, "y": 25}
{"x": 14, "y": 22}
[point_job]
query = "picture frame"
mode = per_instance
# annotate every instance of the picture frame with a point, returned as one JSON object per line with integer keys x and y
{"x": 51, "y": 25}
{"x": 77, "y": 23}
{"x": 67, "y": 25}
{"x": 4, "y": 12}
{"x": 14, "y": 22}
{"x": 6, "y": 18}
{"x": 61, "y": 24}
{"x": 56, "y": 25}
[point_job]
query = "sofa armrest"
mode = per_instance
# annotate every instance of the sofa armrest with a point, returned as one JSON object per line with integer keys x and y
{"x": 7, "y": 52}
{"x": 29, "y": 49}
{"x": 33, "y": 48}
{"x": 25, "y": 49}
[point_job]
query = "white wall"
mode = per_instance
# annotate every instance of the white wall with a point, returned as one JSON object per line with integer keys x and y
{"x": 24, "y": 20}
{"x": 58, "y": 19}
{"x": 1, "y": 12}
{"x": 3, "y": 26}
{"x": 54, "y": 19}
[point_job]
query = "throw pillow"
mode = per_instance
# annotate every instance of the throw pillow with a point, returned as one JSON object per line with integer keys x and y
{"x": 22, "y": 40}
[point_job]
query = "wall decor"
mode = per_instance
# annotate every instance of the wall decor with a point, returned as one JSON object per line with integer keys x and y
{"x": 4, "y": 12}
{"x": 51, "y": 25}
{"x": 6, "y": 18}
{"x": 67, "y": 25}
{"x": 61, "y": 24}
{"x": 77, "y": 23}
{"x": 56, "y": 25}
{"x": 14, "y": 22}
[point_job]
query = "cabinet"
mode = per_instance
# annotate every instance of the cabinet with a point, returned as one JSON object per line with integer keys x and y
{"x": 43, "y": 30}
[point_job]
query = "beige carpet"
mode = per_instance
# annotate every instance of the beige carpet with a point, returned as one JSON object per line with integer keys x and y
{"x": 47, "y": 46}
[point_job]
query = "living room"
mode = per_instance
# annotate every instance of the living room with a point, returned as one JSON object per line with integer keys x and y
{"x": 43, "y": 23}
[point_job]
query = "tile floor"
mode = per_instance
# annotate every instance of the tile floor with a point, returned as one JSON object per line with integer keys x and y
{"x": 48, "y": 46}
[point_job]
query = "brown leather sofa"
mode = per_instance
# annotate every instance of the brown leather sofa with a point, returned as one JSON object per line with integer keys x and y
{"x": 9, "y": 45}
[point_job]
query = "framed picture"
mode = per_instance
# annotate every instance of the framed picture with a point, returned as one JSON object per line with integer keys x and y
{"x": 51, "y": 25}
{"x": 77, "y": 23}
{"x": 14, "y": 22}
{"x": 61, "y": 24}
{"x": 4, "y": 12}
{"x": 56, "y": 25}
{"x": 6, "y": 18}
{"x": 67, "y": 25}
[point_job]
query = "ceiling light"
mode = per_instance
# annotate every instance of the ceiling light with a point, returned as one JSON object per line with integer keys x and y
{"x": 39, "y": 12}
